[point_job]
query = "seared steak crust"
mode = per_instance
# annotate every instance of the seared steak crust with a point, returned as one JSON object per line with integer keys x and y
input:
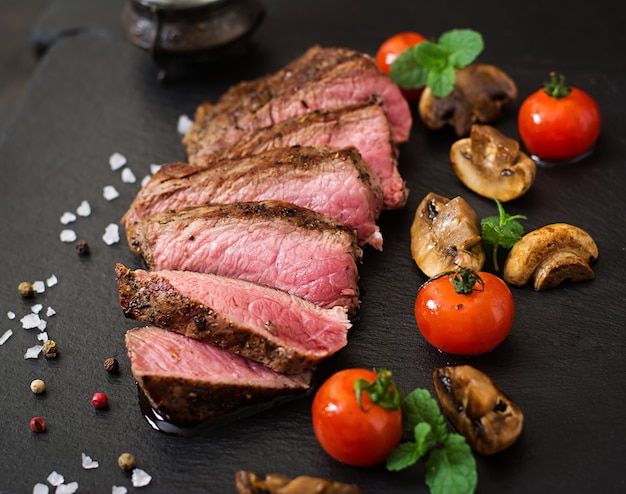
{"x": 336, "y": 182}
{"x": 320, "y": 78}
{"x": 188, "y": 381}
{"x": 263, "y": 324}
{"x": 277, "y": 244}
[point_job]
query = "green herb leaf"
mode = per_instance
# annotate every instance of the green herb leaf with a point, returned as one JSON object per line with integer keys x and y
{"x": 503, "y": 230}
{"x": 420, "y": 406}
{"x": 441, "y": 83}
{"x": 406, "y": 72}
{"x": 452, "y": 469}
{"x": 462, "y": 46}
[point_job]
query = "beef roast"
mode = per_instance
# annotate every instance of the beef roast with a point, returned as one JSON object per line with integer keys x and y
{"x": 273, "y": 243}
{"x": 335, "y": 182}
{"x": 363, "y": 126}
{"x": 321, "y": 78}
{"x": 188, "y": 381}
{"x": 269, "y": 326}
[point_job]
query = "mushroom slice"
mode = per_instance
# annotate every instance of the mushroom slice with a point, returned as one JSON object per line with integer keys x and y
{"x": 445, "y": 234}
{"x": 550, "y": 255}
{"x": 273, "y": 483}
{"x": 477, "y": 408}
{"x": 479, "y": 93}
{"x": 492, "y": 165}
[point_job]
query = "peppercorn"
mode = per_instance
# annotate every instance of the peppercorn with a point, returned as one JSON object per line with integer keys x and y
{"x": 37, "y": 386}
{"x": 99, "y": 400}
{"x": 126, "y": 461}
{"x": 111, "y": 365}
{"x": 37, "y": 424}
{"x": 50, "y": 349}
{"x": 82, "y": 248}
{"x": 26, "y": 289}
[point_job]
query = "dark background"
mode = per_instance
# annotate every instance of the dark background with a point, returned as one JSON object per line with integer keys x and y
{"x": 90, "y": 93}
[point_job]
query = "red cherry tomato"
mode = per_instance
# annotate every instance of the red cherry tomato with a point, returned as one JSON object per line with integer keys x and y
{"x": 357, "y": 434}
{"x": 389, "y": 51}
{"x": 559, "y": 122}
{"x": 460, "y": 323}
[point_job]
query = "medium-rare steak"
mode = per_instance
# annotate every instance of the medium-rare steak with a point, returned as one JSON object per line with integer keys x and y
{"x": 188, "y": 381}
{"x": 363, "y": 126}
{"x": 321, "y": 78}
{"x": 273, "y": 243}
{"x": 269, "y": 326}
{"x": 335, "y": 182}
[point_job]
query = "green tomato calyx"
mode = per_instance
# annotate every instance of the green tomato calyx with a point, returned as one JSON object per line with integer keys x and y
{"x": 463, "y": 279}
{"x": 557, "y": 87}
{"x": 383, "y": 391}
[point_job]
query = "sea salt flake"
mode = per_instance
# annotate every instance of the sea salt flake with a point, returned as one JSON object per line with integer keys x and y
{"x": 88, "y": 463}
{"x": 118, "y": 489}
{"x": 43, "y": 336}
{"x": 128, "y": 177}
{"x": 39, "y": 286}
{"x": 70, "y": 488}
{"x": 33, "y": 352}
{"x": 30, "y": 321}
{"x": 184, "y": 124}
{"x": 55, "y": 479}
{"x": 145, "y": 180}
{"x": 68, "y": 218}
{"x": 140, "y": 478}
{"x": 117, "y": 161}
{"x": 43, "y": 324}
{"x": 50, "y": 312}
{"x": 155, "y": 168}
{"x": 109, "y": 192}
{"x": 41, "y": 489}
{"x": 53, "y": 280}
{"x": 36, "y": 309}
{"x": 7, "y": 334}
{"x": 111, "y": 234}
{"x": 84, "y": 209}
{"x": 68, "y": 235}
{"x": 11, "y": 314}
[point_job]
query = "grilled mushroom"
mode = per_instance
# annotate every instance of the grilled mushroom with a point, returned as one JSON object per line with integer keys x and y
{"x": 445, "y": 234}
{"x": 492, "y": 165}
{"x": 479, "y": 93}
{"x": 550, "y": 255}
{"x": 477, "y": 408}
{"x": 273, "y": 483}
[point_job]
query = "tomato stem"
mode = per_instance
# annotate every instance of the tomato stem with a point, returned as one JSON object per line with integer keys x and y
{"x": 463, "y": 279}
{"x": 383, "y": 391}
{"x": 557, "y": 88}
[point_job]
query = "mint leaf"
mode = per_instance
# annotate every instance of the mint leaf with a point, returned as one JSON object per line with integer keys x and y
{"x": 462, "y": 46}
{"x": 405, "y": 455}
{"x": 503, "y": 230}
{"x": 441, "y": 83}
{"x": 430, "y": 55}
{"x": 406, "y": 72}
{"x": 452, "y": 470}
{"x": 420, "y": 406}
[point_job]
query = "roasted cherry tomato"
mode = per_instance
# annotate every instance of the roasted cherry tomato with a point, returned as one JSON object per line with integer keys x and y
{"x": 389, "y": 51}
{"x": 559, "y": 122}
{"x": 464, "y": 312}
{"x": 356, "y": 416}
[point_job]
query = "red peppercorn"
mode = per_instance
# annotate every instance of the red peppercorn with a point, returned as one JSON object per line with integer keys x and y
{"x": 99, "y": 400}
{"x": 38, "y": 424}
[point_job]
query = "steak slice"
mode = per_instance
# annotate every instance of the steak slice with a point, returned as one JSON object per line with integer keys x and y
{"x": 188, "y": 381}
{"x": 273, "y": 243}
{"x": 321, "y": 78}
{"x": 284, "y": 332}
{"x": 335, "y": 182}
{"x": 363, "y": 126}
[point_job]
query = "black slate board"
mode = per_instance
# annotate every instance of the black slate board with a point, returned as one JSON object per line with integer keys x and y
{"x": 95, "y": 94}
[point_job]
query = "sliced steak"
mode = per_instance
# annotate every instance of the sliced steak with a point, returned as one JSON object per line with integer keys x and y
{"x": 335, "y": 182}
{"x": 273, "y": 243}
{"x": 321, "y": 78}
{"x": 188, "y": 381}
{"x": 269, "y": 326}
{"x": 363, "y": 126}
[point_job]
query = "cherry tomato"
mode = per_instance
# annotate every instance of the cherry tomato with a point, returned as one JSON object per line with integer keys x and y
{"x": 389, "y": 51}
{"x": 358, "y": 434}
{"x": 465, "y": 323}
{"x": 559, "y": 122}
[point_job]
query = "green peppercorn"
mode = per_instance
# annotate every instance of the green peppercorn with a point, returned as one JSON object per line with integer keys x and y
{"x": 126, "y": 461}
{"x": 26, "y": 289}
{"x": 50, "y": 349}
{"x": 37, "y": 386}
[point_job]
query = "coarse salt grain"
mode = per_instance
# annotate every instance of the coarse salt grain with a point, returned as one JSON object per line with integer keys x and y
{"x": 128, "y": 177}
{"x": 184, "y": 124}
{"x": 117, "y": 161}
{"x": 145, "y": 180}
{"x": 118, "y": 489}
{"x": 111, "y": 234}
{"x": 84, "y": 209}
{"x": 55, "y": 479}
{"x": 70, "y": 488}
{"x": 50, "y": 312}
{"x": 39, "y": 286}
{"x": 68, "y": 218}
{"x": 36, "y": 309}
{"x": 42, "y": 325}
{"x": 88, "y": 463}
{"x": 52, "y": 281}
{"x": 109, "y": 192}
{"x": 30, "y": 321}
{"x": 68, "y": 235}
{"x": 7, "y": 334}
{"x": 43, "y": 336}
{"x": 33, "y": 352}
{"x": 155, "y": 168}
{"x": 41, "y": 489}
{"x": 11, "y": 314}
{"x": 140, "y": 478}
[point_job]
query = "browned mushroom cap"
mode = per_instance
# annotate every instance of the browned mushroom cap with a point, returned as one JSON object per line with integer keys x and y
{"x": 251, "y": 483}
{"x": 445, "y": 234}
{"x": 477, "y": 408}
{"x": 479, "y": 93}
{"x": 550, "y": 255}
{"x": 492, "y": 165}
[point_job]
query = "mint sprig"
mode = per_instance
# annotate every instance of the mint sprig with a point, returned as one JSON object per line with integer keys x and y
{"x": 434, "y": 64}
{"x": 450, "y": 465}
{"x": 503, "y": 230}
